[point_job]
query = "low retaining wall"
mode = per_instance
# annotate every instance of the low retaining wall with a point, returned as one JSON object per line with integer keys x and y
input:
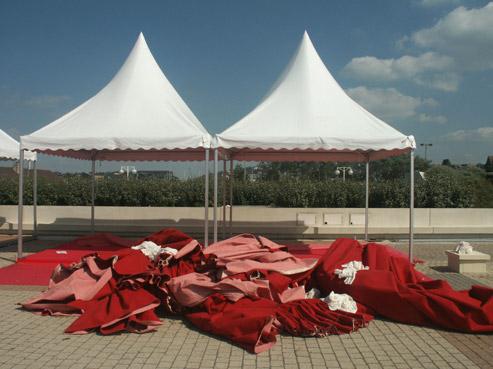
{"x": 273, "y": 222}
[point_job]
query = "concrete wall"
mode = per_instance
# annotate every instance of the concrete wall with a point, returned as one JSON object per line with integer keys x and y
{"x": 274, "y": 222}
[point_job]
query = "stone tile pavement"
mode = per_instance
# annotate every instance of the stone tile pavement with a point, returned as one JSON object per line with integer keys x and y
{"x": 32, "y": 341}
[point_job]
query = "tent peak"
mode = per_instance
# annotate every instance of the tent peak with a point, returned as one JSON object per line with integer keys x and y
{"x": 306, "y": 37}
{"x": 141, "y": 37}
{"x": 141, "y": 41}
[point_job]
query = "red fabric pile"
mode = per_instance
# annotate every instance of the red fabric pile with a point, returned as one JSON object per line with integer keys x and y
{"x": 249, "y": 289}
{"x": 393, "y": 289}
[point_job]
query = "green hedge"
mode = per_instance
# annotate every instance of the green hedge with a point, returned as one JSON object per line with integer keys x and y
{"x": 443, "y": 187}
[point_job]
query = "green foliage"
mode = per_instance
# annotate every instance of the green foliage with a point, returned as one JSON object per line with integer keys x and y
{"x": 444, "y": 186}
{"x": 394, "y": 167}
{"x": 255, "y": 193}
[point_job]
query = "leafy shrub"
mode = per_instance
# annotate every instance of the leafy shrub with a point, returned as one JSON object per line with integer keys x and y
{"x": 444, "y": 187}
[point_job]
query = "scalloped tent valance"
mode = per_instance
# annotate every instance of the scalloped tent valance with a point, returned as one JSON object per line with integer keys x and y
{"x": 9, "y": 149}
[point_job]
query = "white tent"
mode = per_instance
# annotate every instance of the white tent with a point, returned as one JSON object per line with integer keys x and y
{"x": 307, "y": 116}
{"x": 9, "y": 150}
{"x": 138, "y": 115}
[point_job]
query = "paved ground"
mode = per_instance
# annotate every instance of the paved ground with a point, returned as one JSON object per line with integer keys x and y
{"x": 31, "y": 341}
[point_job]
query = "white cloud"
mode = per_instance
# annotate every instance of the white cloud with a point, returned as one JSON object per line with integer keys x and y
{"x": 390, "y": 104}
{"x": 10, "y": 98}
{"x": 433, "y": 119}
{"x": 464, "y": 34}
{"x": 432, "y": 3}
{"x": 482, "y": 134}
{"x": 448, "y": 82}
{"x": 372, "y": 68}
{"x": 430, "y": 69}
{"x": 460, "y": 41}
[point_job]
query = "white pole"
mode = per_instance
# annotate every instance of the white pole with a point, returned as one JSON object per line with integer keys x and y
{"x": 21, "y": 203}
{"x": 93, "y": 193}
{"x": 35, "y": 198}
{"x": 224, "y": 199}
{"x": 216, "y": 154}
{"x": 367, "y": 197}
{"x": 206, "y": 200}
{"x": 411, "y": 209}
{"x": 231, "y": 179}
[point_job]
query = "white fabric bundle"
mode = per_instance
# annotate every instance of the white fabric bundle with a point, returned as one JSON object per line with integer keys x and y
{"x": 349, "y": 271}
{"x": 464, "y": 248}
{"x": 312, "y": 294}
{"x": 153, "y": 250}
{"x": 341, "y": 301}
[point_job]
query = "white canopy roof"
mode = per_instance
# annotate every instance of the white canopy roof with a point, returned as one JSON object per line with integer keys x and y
{"x": 308, "y": 116}
{"x": 137, "y": 116}
{"x": 9, "y": 149}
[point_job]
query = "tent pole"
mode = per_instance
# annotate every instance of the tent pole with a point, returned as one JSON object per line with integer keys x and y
{"x": 216, "y": 154}
{"x": 35, "y": 198}
{"x": 224, "y": 199}
{"x": 231, "y": 179}
{"x": 21, "y": 204}
{"x": 206, "y": 200}
{"x": 411, "y": 209}
{"x": 93, "y": 192}
{"x": 367, "y": 197}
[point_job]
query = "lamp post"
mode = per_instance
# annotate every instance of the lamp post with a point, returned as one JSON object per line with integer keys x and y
{"x": 128, "y": 169}
{"x": 343, "y": 170}
{"x": 426, "y": 145}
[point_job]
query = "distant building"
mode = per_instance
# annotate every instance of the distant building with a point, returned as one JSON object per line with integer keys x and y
{"x": 11, "y": 172}
{"x": 165, "y": 174}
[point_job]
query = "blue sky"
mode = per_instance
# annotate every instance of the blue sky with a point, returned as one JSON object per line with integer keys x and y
{"x": 424, "y": 66}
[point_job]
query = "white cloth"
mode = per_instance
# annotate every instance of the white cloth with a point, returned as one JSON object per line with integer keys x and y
{"x": 153, "y": 250}
{"x": 312, "y": 294}
{"x": 348, "y": 273}
{"x": 464, "y": 247}
{"x": 341, "y": 301}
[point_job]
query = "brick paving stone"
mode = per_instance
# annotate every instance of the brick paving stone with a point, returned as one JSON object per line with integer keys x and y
{"x": 28, "y": 340}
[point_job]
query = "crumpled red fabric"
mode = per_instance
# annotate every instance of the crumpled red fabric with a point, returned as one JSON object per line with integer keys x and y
{"x": 116, "y": 309}
{"x": 245, "y": 252}
{"x": 249, "y": 289}
{"x": 82, "y": 282}
{"x": 254, "y": 323}
{"x": 169, "y": 237}
{"x": 393, "y": 289}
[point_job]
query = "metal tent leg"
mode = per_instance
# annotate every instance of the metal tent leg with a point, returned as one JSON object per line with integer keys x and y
{"x": 93, "y": 193}
{"x": 206, "y": 200}
{"x": 231, "y": 181}
{"x": 411, "y": 209}
{"x": 20, "y": 205}
{"x": 35, "y": 198}
{"x": 216, "y": 154}
{"x": 367, "y": 197}
{"x": 223, "y": 186}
